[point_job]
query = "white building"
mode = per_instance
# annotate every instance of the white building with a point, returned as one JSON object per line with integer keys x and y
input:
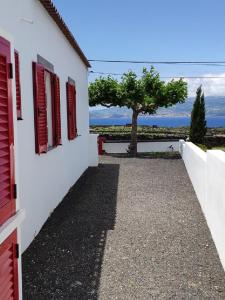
{"x": 45, "y": 144}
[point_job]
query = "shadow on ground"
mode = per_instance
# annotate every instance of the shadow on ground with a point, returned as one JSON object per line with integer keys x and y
{"x": 64, "y": 261}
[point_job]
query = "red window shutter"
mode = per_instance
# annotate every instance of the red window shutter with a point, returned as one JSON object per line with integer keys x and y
{"x": 57, "y": 116}
{"x": 40, "y": 109}
{"x": 18, "y": 87}
{"x": 9, "y": 268}
{"x": 71, "y": 111}
{"x": 7, "y": 178}
{"x": 75, "y": 110}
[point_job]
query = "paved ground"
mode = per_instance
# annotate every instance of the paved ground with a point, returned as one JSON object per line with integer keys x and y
{"x": 130, "y": 229}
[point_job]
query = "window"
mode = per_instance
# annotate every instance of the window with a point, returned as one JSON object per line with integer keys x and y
{"x": 18, "y": 87}
{"x": 71, "y": 110}
{"x": 46, "y": 108}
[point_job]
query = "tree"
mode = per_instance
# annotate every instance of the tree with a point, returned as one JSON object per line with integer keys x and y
{"x": 143, "y": 96}
{"x": 198, "y": 127}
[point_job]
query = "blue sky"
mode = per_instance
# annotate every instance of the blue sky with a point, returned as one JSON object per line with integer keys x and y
{"x": 151, "y": 30}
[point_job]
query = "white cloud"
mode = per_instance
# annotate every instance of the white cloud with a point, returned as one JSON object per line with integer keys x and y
{"x": 211, "y": 86}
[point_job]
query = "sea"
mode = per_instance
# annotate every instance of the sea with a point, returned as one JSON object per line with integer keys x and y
{"x": 158, "y": 121}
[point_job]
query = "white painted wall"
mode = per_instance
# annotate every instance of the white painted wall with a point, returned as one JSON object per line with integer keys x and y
{"x": 207, "y": 173}
{"x": 120, "y": 147}
{"x": 215, "y": 208}
{"x": 44, "y": 180}
{"x": 93, "y": 150}
{"x": 195, "y": 162}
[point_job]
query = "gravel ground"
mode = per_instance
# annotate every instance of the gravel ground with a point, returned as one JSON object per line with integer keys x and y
{"x": 129, "y": 229}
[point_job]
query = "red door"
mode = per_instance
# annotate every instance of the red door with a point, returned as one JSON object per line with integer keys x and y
{"x": 9, "y": 269}
{"x": 7, "y": 181}
{"x": 8, "y": 249}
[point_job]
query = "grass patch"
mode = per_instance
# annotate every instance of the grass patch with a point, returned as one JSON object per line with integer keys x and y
{"x": 205, "y": 147}
{"x": 150, "y": 133}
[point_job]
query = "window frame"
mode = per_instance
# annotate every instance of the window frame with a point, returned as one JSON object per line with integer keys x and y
{"x": 49, "y": 68}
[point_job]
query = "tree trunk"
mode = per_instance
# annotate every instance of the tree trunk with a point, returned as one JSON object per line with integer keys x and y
{"x": 132, "y": 149}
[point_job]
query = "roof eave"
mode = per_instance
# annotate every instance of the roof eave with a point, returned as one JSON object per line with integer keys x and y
{"x": 52, "y": 11}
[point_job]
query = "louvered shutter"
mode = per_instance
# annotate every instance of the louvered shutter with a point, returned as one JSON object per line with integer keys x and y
{"x": 57, "y": 115}
{"x": 9, "y": 268}
{"x": 40, "y": 109}
{"x": 18, "y": 87}
{"x": 75, "y": 110}
{"x": 7, "y": 180}
{"x": 72, "y": 133}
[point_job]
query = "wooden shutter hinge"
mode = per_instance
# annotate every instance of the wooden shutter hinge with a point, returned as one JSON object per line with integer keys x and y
{"x": 17, "y": 251}
{"x": 10, "y": 71}
{"x": 15, "y": 191}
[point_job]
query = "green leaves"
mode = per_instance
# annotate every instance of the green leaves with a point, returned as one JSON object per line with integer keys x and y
{"x": 132, "y": 90}
{"x": 104, "y": 91}
{"x": 143, "y": 95}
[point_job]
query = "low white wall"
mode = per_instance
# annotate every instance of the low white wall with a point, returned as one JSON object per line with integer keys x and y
{"x": 93, "y": 150}
{"x": 215, "y": 208}
{"x": 207, "y": 173}
{"x": 195, "y": 162}
{"x": 159, "y": 146}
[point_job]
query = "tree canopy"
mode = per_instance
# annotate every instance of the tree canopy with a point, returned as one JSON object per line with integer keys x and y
{"x": 143, "y": 95}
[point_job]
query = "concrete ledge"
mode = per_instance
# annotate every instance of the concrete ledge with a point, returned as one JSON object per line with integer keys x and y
{"x": 143, "y": 141}
{"x": 13, "y": 223}
{"x": 117, "y": 147}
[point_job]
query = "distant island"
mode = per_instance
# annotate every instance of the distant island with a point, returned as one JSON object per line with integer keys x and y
{"x": 215, "y": 107}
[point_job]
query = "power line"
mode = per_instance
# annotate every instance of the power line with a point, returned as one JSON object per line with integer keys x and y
{"x": 206, "y": 63}
{"x": 165, "y": 77}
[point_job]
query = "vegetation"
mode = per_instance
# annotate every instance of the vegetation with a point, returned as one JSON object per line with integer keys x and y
{"x": 153, "y": 155}
{"x": 150, "y": 133}
{"x": 143, "y": 96}
{"x": 205, "y": 148}
{"x": 198, "y": 122}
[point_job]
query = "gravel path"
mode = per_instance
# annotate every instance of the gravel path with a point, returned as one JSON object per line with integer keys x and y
{"x": 129, "y": 229}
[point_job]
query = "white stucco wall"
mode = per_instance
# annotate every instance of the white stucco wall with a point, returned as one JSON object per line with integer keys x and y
{"x": 207, "y": 173}
{"x": 160, "y": 146}
{"x": 44, "y": 180}
{"x": 215, "y": 208}
{"x": 195, "y": 162}
{"x": 93, "y": 150}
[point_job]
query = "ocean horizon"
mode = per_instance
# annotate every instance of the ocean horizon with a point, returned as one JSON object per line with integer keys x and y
{"x": 158, "y": 121}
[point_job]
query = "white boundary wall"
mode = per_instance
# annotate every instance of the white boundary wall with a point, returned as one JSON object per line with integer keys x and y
{"x": 93, "y": 150}
{"x": 154, "y": 146}
{"x": 207, "y": 173}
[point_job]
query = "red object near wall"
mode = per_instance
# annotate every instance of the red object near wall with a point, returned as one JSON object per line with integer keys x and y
{"x": 9, "y": 268}
{"x": 101, "y": 141}
{"x": 7, "y": 178}
{"x": 40, "y": 109}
